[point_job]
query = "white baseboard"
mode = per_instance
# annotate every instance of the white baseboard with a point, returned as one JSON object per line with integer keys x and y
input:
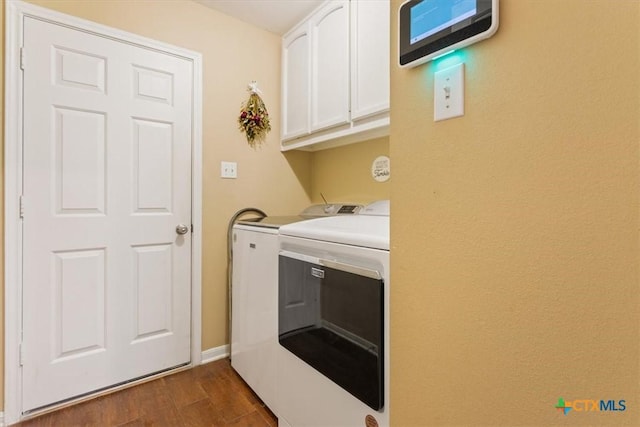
{"x": 215, "y": 353}
{"x": 1, "y": 419}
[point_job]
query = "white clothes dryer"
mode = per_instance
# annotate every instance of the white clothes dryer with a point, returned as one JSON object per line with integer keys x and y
{"x": 333, "y": 320}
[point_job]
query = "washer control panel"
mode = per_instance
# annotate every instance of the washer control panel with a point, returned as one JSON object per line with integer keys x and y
{"x": 330, "y": 209}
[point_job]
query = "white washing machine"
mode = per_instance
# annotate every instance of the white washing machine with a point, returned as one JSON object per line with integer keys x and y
{"x": 333, "y": 321}
{"x": 254, "y": 296}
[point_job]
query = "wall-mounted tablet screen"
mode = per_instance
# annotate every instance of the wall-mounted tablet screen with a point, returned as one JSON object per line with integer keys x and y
{"x": 429, "y": 28}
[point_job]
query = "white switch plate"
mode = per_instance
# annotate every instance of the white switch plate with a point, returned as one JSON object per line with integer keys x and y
{"x": 228, "y": 170}
{"x": 448, "y": 93}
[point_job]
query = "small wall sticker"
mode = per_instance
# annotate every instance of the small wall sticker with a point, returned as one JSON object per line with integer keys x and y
{"x": 381, "y": 169}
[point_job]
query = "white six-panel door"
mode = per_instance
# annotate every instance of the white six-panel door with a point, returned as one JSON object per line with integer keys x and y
{"x": 107, "y": 178}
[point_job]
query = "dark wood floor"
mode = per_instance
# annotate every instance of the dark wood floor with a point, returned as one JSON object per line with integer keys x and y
{"x": 207, "y": 395}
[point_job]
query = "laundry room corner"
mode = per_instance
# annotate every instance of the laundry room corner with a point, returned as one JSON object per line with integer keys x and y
{"x": 344, "y": 174}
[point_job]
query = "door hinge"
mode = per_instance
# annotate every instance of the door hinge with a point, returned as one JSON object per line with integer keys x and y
{"x": 21, "y": 206}
{"x": 22, "y": 58}
{"x": 21, "y": 354}
{"x": 192, "y": 228}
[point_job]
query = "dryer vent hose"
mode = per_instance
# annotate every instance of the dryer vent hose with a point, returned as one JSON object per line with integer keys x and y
{"x": 235, "y": 218}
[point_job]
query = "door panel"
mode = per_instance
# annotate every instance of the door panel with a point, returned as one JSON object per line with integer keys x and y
{"x": 79, "y": 161}
{"x": 152, "y": 146}
{"x": 153, "y": 85}
{"x": 107, "y": 177}
{"x": 152, "y": 271}
{"x": 79, "y": 302}
{"x": 79, "y": 69}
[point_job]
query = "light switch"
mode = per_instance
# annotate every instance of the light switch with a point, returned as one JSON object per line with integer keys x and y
{"x": 448, "y": 93}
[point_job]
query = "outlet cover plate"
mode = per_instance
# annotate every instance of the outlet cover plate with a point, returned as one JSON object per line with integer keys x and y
{"x": 228, "y": 170}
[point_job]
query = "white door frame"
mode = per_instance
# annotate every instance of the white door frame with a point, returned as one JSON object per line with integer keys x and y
{"x": 13, "y": 245}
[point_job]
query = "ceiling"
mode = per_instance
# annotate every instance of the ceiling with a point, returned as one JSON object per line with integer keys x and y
{"x": 276, "y": 16}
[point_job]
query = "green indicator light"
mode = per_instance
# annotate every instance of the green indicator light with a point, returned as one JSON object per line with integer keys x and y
{"x": 449, "y": 59}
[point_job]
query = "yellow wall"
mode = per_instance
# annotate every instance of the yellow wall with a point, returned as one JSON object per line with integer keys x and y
{"x": 343, "y": 174}
{"x": 515, "y": 228}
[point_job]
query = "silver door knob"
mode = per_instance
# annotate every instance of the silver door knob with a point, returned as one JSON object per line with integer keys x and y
{"x": 182, "y": 229}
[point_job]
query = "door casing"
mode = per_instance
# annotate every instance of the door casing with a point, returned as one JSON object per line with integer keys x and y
{"x": 15, "y": 12}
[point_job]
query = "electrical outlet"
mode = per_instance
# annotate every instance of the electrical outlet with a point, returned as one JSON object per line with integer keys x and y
{"x": 228, "y": 170}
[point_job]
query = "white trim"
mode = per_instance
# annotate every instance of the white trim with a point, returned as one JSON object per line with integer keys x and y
{"x": 215, "y": 353}
{"x": 13, "y": 231}
{"x": 15, "y": 12}
{"x": 196, "y": 213}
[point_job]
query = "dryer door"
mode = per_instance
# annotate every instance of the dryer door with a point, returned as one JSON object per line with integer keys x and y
{"x": 331, "y": 317}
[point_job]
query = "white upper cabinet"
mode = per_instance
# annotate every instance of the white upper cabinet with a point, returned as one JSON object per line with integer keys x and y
{"x": 330, "y": 65}
{"x": 296, "y": 67}
{"x": 335, "y": 76}
{"x": 369, "y": 58}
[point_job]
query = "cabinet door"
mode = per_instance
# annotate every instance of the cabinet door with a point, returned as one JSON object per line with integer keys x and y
{"x": 330, "y": 65}
{"x": 296, "y": 56}
{"x": 369, "y": 58}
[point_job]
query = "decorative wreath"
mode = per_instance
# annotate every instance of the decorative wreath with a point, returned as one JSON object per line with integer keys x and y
{"x": 254, "y": 118}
